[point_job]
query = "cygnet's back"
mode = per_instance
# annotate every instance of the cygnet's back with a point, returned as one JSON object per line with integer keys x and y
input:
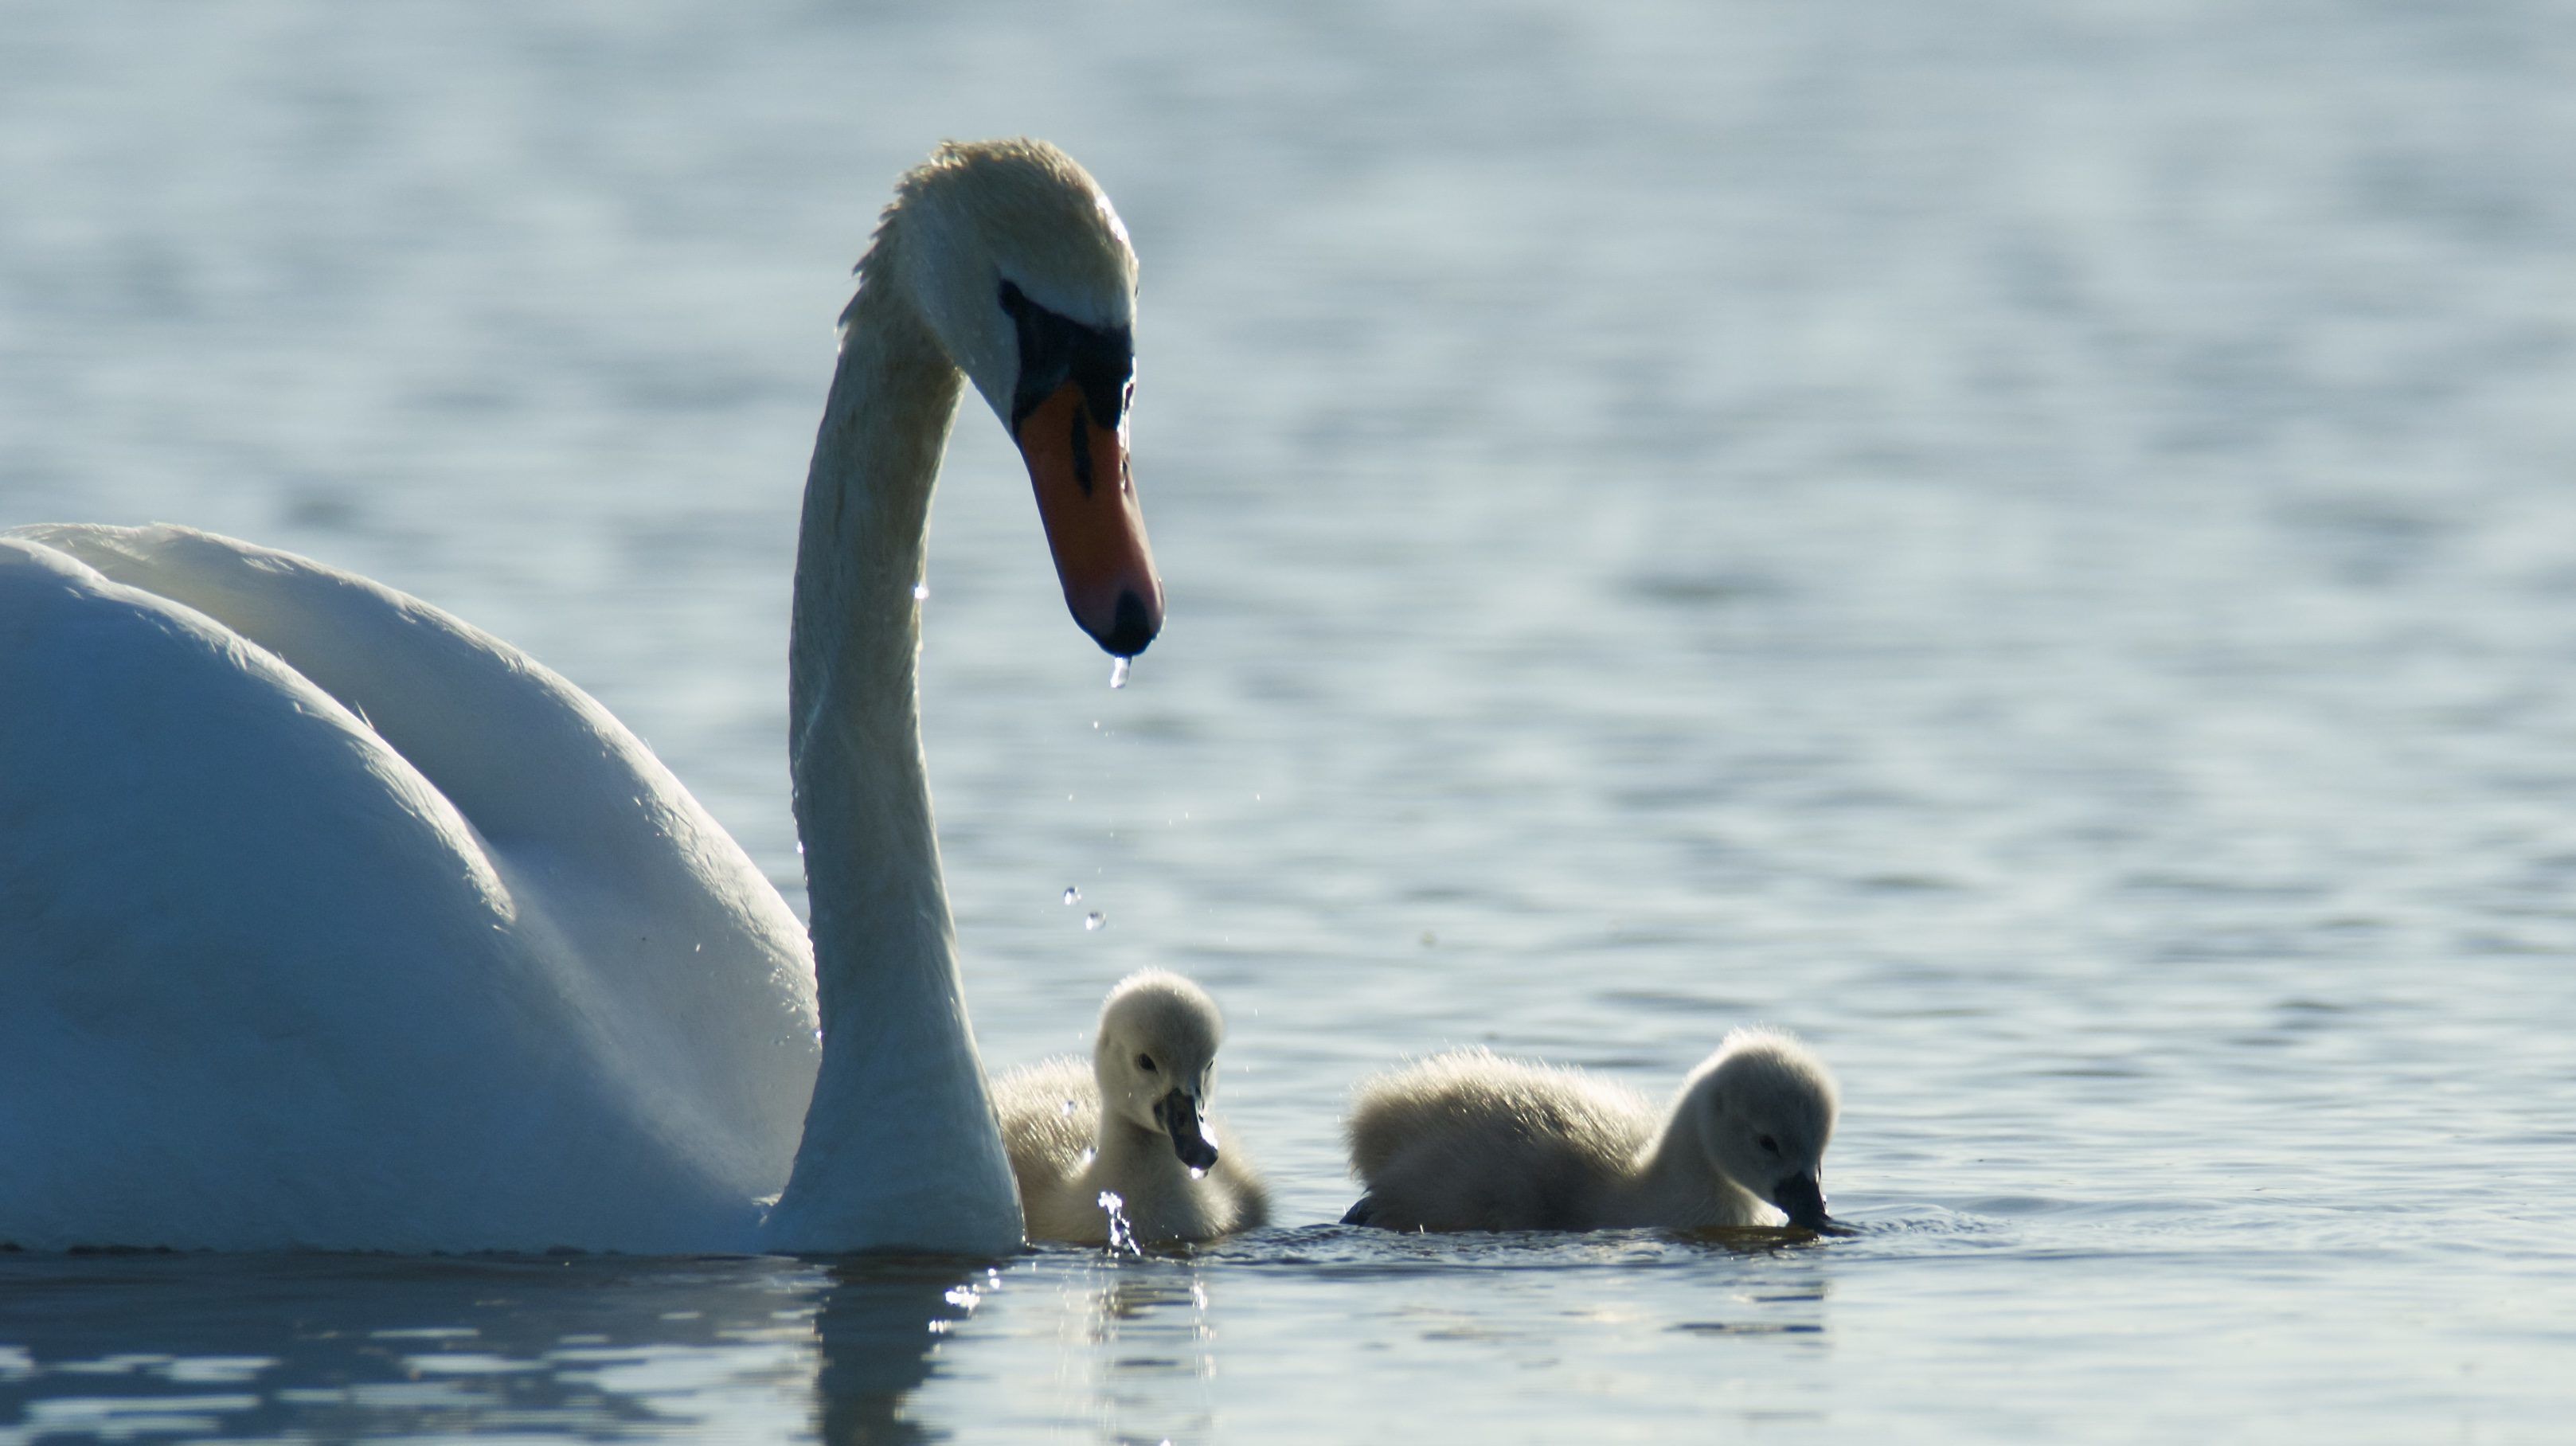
{"x": 1130, "y": 1123}
{"x": 1050, "y": 1117}
{"x": 1469, "y": 1141}
{"x": 1472, "y": 1141}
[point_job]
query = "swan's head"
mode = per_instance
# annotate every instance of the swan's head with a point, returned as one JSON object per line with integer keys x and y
{"x": 1156, "y": 1060}
{"x": 1021, "y": 268}
{"x": 1764, "y": 1108}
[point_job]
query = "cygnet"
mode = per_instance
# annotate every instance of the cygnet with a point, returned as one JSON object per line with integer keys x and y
{"x": 1472, "y": 1141}
{"x": 1153, "y": 1147}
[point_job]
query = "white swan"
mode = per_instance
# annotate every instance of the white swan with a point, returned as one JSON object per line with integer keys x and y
{"x": 1470, "y": 1141}
{"x": 1155, "y": 1062}
{"x": 329, "y": 921}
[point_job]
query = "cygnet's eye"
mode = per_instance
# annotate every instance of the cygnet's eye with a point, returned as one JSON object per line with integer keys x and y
{"x": 1145, "y": 1062}
{"x": 1769, "y": 1145}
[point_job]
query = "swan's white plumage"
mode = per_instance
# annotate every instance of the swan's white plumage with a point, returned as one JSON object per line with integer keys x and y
{"x": 328, "y": 920}
{"x": 1471, "y": 1141}
{"x": 332, "y": 921}
{"x": 1065, "y": 1154}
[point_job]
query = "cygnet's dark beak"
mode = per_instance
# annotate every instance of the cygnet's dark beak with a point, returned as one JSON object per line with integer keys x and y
{"x": 1803, "y": 1196}
{"x": 1179, "y": 1113}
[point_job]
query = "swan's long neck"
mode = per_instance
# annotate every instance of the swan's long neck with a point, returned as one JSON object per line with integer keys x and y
{"x": 900, "y": 1146}
{"x": 1676, "y": 1186}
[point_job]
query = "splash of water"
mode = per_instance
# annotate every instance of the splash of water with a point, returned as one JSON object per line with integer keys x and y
{"x": 1122, "y": 1236}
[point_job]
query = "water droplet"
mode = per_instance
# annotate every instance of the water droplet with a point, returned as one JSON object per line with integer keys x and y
{"x": 1068, "y": 1109}
{"x": 1118, "y": 672}
{"x": 1072, "y": 895}
{"x": 1197, "y": 1174}
{"x": 1122, "y": 1236}
{"x": 1094, "y": 919}
{"x": 921, "y": 592}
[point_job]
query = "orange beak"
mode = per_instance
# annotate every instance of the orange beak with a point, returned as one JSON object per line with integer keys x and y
{"x": 1093, "y": 525}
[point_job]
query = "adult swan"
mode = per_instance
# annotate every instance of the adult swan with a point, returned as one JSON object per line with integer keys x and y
{"x": 329, "y": 921}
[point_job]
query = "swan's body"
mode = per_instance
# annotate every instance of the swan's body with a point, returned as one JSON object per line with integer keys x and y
{"x": 1155, "y": 1061}
{"x": 329, "y": 921}
{"x": 407, "y": 945}
{"x": 1472, "y": 1141}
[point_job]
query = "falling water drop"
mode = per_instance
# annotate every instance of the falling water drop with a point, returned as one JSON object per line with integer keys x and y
{"x": 1122, "y": 1235}
{"x": 1197, "y": 1174}
{"x": 1072, "y": 895}
{"x": 1094, "y": 919}
{"x": 1118, "y": 672}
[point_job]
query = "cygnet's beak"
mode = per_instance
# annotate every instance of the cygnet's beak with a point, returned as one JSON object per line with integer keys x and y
{"x": 1179, "y": 1113}
{"x": 1803, "y": 1197}
{"x": 1093, "y": 523}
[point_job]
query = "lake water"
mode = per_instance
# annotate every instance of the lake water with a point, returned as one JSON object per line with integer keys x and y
{"x": 2031, "y": 544}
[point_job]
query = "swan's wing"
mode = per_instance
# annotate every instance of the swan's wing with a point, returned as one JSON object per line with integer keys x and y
{"x": 271, "y": 978}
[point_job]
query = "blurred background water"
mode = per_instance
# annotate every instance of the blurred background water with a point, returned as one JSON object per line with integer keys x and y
{"x": 2030, "y": 543}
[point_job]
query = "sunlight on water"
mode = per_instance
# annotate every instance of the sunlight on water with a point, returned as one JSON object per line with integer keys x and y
{"x": 2027, "y": 544}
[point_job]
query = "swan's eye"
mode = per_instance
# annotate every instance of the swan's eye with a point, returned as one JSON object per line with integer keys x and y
{"x": 1769, "y": 1145}
{"x": 1145, "y": 1062}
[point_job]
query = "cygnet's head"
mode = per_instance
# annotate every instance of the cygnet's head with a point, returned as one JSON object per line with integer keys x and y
{"x": 1011, "y": 254}
{"x": 1156, "y": 1060}
{"x": 1764, "y": 1108}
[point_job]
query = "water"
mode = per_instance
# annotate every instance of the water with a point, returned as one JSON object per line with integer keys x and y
{"x": 2027, "y": 543}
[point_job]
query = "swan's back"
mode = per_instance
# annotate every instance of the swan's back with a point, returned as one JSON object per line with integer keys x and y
{"x": 328, "y": 920}
{"x": 1471, "y": 1141}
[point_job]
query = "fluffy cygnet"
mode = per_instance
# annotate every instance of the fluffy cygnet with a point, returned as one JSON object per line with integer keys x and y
{"x": 1153, "y": 1147}
{"x": 1472, "y": 1141}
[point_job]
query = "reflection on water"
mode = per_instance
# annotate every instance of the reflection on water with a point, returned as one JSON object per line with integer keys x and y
{"x": 359, "y": 1346}
{"x": 356, "y": 1346}
{"x": 2027, "y": 542}
{"x": 1145, "y": 1353}
{"x": 1117, "y": 1348}
{"x": 879, "y": 1328}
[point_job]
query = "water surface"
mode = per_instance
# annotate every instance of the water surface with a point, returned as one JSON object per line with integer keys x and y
{"x": 2028, "y": 543}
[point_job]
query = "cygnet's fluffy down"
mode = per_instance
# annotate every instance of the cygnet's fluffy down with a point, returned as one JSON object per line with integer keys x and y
{"x": 1472, "y": 1141}
{"x": 1153, "y": 1147}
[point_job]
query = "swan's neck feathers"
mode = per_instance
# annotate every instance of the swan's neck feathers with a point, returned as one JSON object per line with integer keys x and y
{"x": 900, "y": 1147}
{"x": 1129, "y": 1151}
{"x": 1675, "y": 1186}
{"x": 1161, "y": 1199}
